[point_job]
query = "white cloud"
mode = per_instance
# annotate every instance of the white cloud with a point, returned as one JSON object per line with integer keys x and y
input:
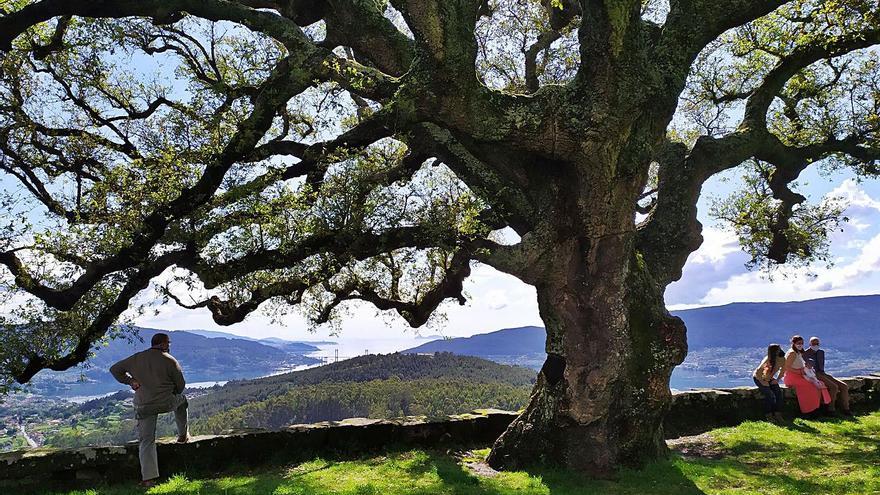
{"x": 715, "y": 274}
{"x": 862, "y": 211}
{"x": 856, "y": 244}
{"x": 855, "y": 197}
{"x": 860, "y": 276}
{"x": 717, "y": 259}
{"x": 858, "y": 224}
{"x": 717, "y": 245}
{"x": 752, "y": 287}
{"x": 496, "y": 299}
{"x": 865, "y": 265}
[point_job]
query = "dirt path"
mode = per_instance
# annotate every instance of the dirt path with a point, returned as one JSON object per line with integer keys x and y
{"x": 31, "y": 442}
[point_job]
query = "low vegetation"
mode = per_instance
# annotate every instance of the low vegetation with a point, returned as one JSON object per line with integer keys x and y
{"x": 800, "y": 457}
{"x": 373, "y": 386}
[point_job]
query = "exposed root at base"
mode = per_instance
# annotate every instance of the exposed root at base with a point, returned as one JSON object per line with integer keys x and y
{"x": 476, "y": 464}
{"x": 481, "y": 469}
{"x": 696, "y": 447}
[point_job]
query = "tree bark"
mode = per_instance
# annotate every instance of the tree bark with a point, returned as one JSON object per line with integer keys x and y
{"x": 600, "y": 397}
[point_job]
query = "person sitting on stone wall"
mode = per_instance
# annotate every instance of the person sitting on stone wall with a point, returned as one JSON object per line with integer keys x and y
{"x": 836, "y": 388}
{"x": 158, "y": 383}
{"x": 809, "y": 396}
{"x": 767, "y": 382}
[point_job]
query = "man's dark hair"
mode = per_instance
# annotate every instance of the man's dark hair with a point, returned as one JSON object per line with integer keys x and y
{"x": 158, "y": 339}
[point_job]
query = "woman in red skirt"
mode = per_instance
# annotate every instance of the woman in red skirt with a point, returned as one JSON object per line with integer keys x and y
{"x": 809, "y": 395}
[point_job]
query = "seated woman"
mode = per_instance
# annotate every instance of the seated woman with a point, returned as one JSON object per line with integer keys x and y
{"x": 765, "y": 378}
{"x": 809, "y": 396}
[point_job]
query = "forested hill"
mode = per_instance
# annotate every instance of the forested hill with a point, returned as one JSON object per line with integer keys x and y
{"x": 373, "y": 367}
{"x": 405, "y": 367}
{"x": 376, "y": 386}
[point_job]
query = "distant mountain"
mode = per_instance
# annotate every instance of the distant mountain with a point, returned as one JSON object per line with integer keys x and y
{"x": 401, "y": 366}
{"x": 509, "y": 341}
{"x": 276, "y": 340}
{"x": 295, "y": 346}
{"x": 841, "y": 322}
{"x": 289, "y": 346}
{"x": 213, "y": 334}
{"x": 202, "y": 358}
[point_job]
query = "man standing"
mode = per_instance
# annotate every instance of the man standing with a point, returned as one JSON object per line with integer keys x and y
{"x": 816, "y": 357}
{"x": 157, "y": 380}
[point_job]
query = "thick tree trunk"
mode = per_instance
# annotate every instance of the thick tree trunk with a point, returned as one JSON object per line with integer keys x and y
{"x": 601, "y": 395}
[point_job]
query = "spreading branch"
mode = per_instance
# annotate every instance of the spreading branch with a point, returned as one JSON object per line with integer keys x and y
{"x": 137, "y": 281}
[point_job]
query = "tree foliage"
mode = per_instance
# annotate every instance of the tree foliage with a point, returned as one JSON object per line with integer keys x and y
{"x": 757, "y": 217}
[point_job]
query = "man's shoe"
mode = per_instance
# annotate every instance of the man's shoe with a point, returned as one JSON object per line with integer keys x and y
{"x": 184, "y": 439}
{"x": 148, "y": 483}
{"x": 778, "y": 416}
{"x": 847, "y": 412}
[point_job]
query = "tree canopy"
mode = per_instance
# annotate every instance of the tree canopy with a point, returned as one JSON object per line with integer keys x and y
{"x": 295, "y": 154}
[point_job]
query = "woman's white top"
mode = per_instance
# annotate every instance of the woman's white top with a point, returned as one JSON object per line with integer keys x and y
{"x": 798, "y": 362}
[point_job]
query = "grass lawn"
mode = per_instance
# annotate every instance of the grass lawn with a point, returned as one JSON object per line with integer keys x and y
{"x": 801, "y": 457}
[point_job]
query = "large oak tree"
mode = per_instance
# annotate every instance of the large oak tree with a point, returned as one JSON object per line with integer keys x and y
{"x": 237, "y": 155}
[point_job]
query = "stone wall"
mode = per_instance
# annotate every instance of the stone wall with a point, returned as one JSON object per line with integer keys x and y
{"x": 251, "y": 447}
{"x": 697, "y": 411}
{"x": 692, "y": 412}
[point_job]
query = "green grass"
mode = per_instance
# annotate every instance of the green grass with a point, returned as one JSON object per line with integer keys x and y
{"x": 803, "y": 457}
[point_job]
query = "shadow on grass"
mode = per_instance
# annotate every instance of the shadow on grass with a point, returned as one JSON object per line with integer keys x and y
{"x": 438, "y": 473}
{"x": 307, "y": 469}
{"x": 422, "y": 473}
{"x": 661, "y": 477}
{"x": 803, "y": 428}
{"x": 771, "y": 477}
{"x": 869, "y": 440}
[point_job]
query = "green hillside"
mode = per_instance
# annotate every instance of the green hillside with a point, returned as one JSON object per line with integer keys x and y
{"x": 467, "y": 370}
{"x": 374, "y": 399}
